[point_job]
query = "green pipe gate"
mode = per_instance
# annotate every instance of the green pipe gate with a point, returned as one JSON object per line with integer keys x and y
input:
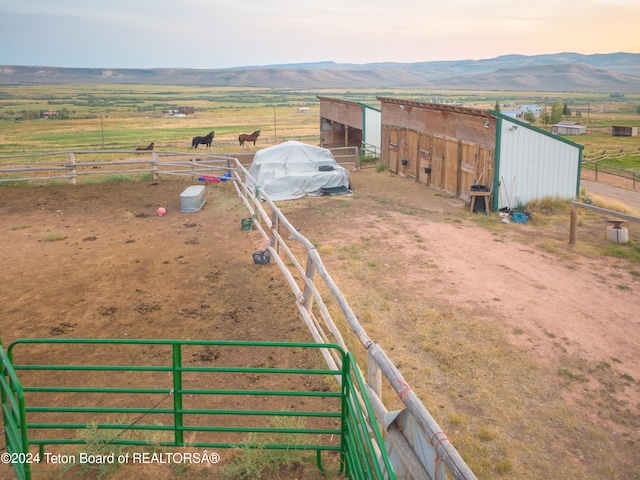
{"x": 47, "y": 399}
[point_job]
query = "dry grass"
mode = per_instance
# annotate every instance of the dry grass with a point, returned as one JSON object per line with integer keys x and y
{"x": 508, "y": 416}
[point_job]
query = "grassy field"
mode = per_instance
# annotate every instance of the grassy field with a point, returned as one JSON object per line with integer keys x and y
{"x": 129, "y": 116}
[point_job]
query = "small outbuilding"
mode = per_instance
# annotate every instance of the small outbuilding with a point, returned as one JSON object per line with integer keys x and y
{"x": 345, "y": 124}
{"x": 568, "y": 128}
{"x": 617, "y": 131}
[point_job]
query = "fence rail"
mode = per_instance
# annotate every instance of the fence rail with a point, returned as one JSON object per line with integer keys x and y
{"x": 573, "y": 219}
{"x": 597, "y": 163}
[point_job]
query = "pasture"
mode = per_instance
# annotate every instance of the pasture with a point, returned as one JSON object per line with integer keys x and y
{"x": 131, "y": 116}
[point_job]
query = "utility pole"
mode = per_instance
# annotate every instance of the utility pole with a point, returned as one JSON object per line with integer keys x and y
{"x": 102, "y": 128}
{"x": 275, "y": 130}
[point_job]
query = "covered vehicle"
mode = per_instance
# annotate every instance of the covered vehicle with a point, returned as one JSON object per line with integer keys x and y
{"x": 294, "y": 169}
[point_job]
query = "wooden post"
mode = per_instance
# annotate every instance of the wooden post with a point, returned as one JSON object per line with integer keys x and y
{"x": 154, "y": 166}
{"x": 573, "y": 225}
{"x": 307, "y": 293}
{"x": 275, "y": 227}
{"x": 72, "y": 160}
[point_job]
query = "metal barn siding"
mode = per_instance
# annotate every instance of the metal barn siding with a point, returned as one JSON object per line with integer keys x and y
{"x": 372, "y": 130}
{"x": 533, "y": 164}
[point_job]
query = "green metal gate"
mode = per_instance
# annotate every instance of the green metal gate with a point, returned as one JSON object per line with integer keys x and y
{"x": 47, "y": 399}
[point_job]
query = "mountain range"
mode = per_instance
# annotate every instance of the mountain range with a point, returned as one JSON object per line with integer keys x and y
{"x": 560, "y": 72}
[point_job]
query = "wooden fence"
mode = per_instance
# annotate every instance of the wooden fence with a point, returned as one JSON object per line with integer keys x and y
{"x": 418, "y": 447}
{"x": 596, "y": 163}
{"x": 67, "y": 167}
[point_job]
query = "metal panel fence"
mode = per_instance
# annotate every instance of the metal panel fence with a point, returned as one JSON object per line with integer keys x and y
{"x": 38, "y": 397}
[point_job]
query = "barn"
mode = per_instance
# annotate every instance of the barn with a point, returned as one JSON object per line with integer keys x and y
{"x": 455, "y": 148}
{"x": 345, "y": 123}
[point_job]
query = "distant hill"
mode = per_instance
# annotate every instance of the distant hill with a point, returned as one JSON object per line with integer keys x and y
{"x": 614, "y": 72}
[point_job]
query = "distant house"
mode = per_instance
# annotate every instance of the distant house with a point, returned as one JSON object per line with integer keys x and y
{"x": 185, "y": 110}
{"x": 47, "y": 114}
{"x": 617, "y": 131}
{"x": 535, "y": 109}
{"x": 303, "y": 109}
{"x": 568, "y": 128}
{"x": 519, "y": 114}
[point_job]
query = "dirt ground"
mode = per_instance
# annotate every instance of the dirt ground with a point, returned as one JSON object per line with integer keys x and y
{"x": 97, "y": 261}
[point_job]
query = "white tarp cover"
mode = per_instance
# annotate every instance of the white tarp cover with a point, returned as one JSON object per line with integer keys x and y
{"x": 292, "y": 170}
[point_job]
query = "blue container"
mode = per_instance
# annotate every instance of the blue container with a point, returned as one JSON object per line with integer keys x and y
{"x": 519, "y": 217}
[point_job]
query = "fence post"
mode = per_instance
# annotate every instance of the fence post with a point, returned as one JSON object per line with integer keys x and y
{"x": 154, "y": 165}
{"x": 573, "y": 225}
{"x": 307, "y": 293}
{"x": 177, "y": 393}
{"x": 71, "y": 159}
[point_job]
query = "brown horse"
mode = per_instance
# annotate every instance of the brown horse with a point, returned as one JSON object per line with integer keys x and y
{"x": 148, "y": 147}
{"x": 249, "y": 138}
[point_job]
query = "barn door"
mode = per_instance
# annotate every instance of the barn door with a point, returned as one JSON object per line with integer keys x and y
{"x": 451, "y": 167}
{"x": 393, "y": 150}
{"x": 424, "y": 158}
{"x": 404, "y": 154}
{"x": 437, "y": 162}
{"x": 468, "y": 168}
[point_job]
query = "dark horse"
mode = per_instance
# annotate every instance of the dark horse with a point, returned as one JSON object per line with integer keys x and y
{"x": 206, "y": 140}
{"x": 249, "y": 138}
{"x": 149, "y": 147}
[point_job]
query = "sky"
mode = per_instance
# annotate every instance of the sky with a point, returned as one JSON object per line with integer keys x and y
{"x": 213, "y": 34}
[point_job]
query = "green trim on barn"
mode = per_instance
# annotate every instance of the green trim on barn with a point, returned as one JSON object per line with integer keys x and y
{"x": 496, "y": 167}
{"x": 536, "y": 129}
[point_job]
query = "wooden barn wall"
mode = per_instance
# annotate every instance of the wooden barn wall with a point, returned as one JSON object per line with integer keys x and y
{"x": 341, "y": 123}
{"x": 445, "y": 163}
{"x": 342, "y": 112}
{"x": 442, "y": 149}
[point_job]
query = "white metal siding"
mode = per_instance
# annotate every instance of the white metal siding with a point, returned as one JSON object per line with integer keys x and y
{"x": 372, "y": 129}
{"x": 534, "y": 165}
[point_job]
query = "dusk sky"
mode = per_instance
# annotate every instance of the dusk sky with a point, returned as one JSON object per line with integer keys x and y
{"x": 220, "y": 34}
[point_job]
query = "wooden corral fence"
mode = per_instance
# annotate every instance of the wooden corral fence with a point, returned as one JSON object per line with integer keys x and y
{"x": 441, "y": 162}
{"x": 418, "y": 447}
{"x": 595, "y": 162}
{"x": 70, "y": 166}
{"x": 65, "y": 165}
